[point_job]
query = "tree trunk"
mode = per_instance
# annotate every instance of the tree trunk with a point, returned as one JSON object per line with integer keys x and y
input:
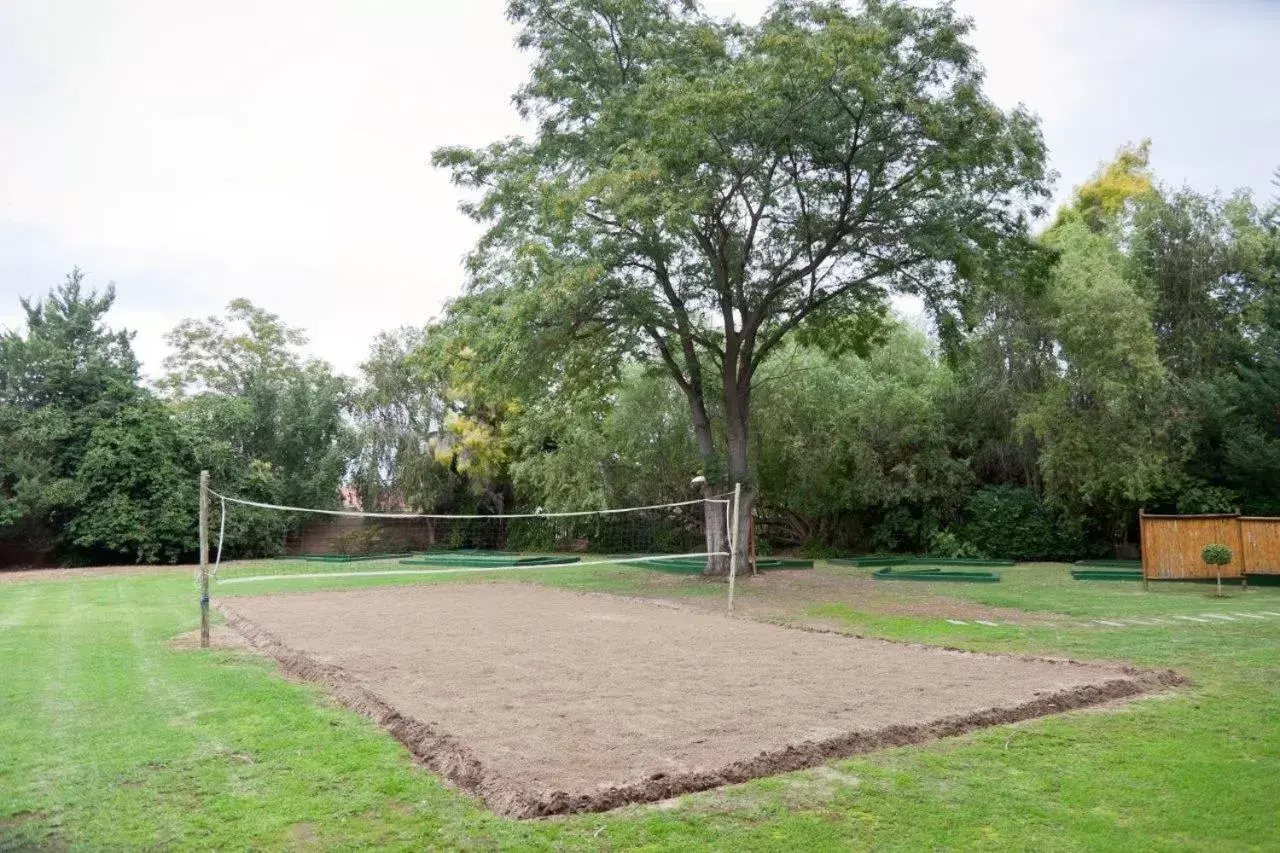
{"x": 715, "y": 520}
{"x": 742, "y": 543}
{"x": 736, "y": 444}
{"x": 717, "y": 527}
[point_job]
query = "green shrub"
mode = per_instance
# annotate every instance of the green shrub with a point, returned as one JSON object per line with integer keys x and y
{"x": 1207, "y": 499}
{"x": 1216, "y": 555}
{"x": 359, "y": 541}
{"x": 903, "y": 529}
{"x": 1013, "y": 523}
{"x": 530, "y": 534}
{"x": 944, "y": 543}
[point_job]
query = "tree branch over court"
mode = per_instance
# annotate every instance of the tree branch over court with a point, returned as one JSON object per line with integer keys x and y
{"x": 698, "y": 190}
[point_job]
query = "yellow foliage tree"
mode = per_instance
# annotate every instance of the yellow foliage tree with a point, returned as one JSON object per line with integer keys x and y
{"x": 1103, "y": 198}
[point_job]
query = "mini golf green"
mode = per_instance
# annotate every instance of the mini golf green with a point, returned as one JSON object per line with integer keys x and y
{"x": 696, "y": 566}
{"x": 1106, "y": 570}
{"x": 869, "y": 562}
{"x": 889, "y": 573}
{"x": 349, "y": 558}
{"x": 1091, "y": 574}
{"x": 487, "y": 560}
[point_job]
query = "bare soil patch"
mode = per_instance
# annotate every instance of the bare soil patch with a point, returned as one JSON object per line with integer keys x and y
{"x": 220, "y": 637}
{"x": 80, "y": 573}
{"x": 545, "y": 702}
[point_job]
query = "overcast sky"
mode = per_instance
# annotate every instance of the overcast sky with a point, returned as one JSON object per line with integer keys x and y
{"x": 278, "y": 149}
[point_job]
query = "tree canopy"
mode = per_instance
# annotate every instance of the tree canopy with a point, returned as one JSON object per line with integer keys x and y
{"x": 699, "y": 189}
{"x": 90, "y": 466}
{"x": 689, "y": 266}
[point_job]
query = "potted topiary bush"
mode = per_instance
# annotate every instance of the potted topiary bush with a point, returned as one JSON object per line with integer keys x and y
{"x": 1217, "y": 556}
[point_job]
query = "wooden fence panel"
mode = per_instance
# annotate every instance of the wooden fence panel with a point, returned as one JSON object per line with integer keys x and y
{"x": 1171, "y": 546}
{"x": 1260, "y": 545}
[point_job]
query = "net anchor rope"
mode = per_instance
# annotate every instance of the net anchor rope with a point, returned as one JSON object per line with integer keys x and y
{"x": 222, "y": 533}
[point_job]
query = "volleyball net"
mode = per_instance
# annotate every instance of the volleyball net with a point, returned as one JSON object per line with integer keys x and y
{"x": 347, "y": 543}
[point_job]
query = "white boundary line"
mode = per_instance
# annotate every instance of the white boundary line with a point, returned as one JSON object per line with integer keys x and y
{"x": 467, "y": 570}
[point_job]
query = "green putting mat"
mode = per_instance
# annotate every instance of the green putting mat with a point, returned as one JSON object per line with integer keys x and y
{"x": 1087, "y": 573}
{"x": 348, "y": 558}
{"x": 477, "y": 561}
{"x": 869, "y": 562}
{"x": 1111, "y": 565}
{"x": 924, "y": 574}
{"x": 696, "y": 566}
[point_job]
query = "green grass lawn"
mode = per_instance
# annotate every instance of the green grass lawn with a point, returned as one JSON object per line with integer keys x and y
{"x": 113, "y": 738}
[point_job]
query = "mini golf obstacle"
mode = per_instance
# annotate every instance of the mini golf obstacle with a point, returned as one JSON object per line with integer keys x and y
{"x": 935, "y": 569}
{"x": 348, "y": 558}
{"x": 897, "y": 562}
{"x": 1107, "y": 570}
{"x": 934, "y": 574}
{"x": 486, "y": 559}
{"x": 697, "y": 565}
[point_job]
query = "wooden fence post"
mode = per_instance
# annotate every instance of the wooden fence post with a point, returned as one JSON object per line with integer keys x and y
{"x": 1142, "y": 547}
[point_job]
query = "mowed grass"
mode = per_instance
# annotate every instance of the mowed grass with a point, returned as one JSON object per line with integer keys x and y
{"x": 113, "y": 737}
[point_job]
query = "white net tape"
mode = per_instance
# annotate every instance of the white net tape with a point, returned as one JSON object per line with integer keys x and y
{"x": 447, "y": 516}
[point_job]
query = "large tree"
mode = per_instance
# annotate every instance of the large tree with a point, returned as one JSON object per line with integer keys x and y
{"x": 399, "y": 410}
{"x": 855, "y": 451}
{"x": 1102, "y": 420}
{"x": 91, "y": 466}
{"x": 265, "y": 420}
{"x": 699, "y": 189}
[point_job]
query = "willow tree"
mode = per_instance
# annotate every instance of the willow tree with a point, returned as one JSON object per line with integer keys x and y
{"x": 697, "y": 190}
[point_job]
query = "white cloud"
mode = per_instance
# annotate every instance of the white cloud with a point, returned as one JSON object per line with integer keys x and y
{"x": 279, "y": 149}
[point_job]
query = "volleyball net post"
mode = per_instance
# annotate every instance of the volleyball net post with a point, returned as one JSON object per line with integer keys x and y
{"x": 204, "y": 559}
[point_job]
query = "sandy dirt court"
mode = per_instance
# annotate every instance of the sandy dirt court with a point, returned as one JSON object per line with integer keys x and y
{"x": 544, "y": 701}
